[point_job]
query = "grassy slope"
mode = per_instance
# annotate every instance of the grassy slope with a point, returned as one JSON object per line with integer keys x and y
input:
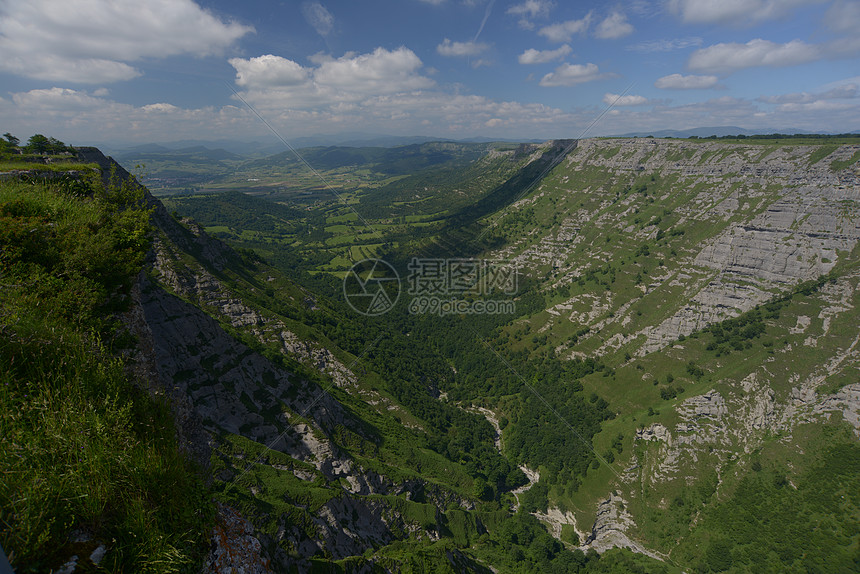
{"x": 84, "y": 449}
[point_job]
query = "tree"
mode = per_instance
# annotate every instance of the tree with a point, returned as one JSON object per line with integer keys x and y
{"x": 12, "y": 140}
{"x": 56, "y": 146}
{"x": 38, "y": 144}
{"x": 482, "y": 490}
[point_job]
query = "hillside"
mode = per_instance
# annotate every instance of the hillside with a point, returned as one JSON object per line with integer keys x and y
{"x": 719, "y": 282}
{"x": 633, "y": 249}
{"x": 675, "y": 387}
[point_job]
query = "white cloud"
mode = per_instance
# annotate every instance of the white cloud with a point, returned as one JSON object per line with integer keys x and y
{"x": 449, "y": 48}
{"x": 82, "y": 118}
{"x": 844, "y": 92}
{"x": 531, "y": 8}
{"x": 381, "y": 71}
{"x": 847, "y": 47}
{"x": 268, "y": 71}
{"x": 628, "y": 100}
{"x": 160, "y": 107}
{"x": 92, "y": 41}
{"x": 613, "y": 26}
{"x": 817, "y": 106}
{"x": 54, "y": 99}
{"x": 564, "y": 31}
{"x": 276, "y": 81}
{"x": 532, "y": 56}
{"x": 736, "y": 12}
{"x": 61, "y": 69}
{"x": 319, "y": 17}
{"x": 679, "y": 82}
{"x": 571, "y": 74}
{"x": 728, "y": 58}
{"x": 666, "y": 45}
{"x": 843, "y": 17}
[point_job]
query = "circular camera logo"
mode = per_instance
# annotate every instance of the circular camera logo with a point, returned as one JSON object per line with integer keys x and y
{"x": 371, "y": 287}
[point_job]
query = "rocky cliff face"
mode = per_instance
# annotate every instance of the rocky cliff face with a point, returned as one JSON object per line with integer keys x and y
{"x": 768, "y": 218}
{"x": 235, "y": 390}
{"x": 656, "y": 240}
{"x": 185, "y": 316}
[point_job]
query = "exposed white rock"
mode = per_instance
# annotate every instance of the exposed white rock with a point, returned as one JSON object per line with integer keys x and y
{"x": 711, "y": 405}
{"x": 612, "y": 521}
{"x": 554, "y": 519}
{"x": 846, "y": 401}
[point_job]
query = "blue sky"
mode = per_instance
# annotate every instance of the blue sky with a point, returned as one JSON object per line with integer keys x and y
{"x": 91, "y": 71}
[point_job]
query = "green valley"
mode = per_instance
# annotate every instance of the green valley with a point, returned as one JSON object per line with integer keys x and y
{"x": 676, "y": 388}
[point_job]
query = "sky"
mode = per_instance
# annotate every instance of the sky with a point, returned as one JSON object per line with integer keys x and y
{"x": 134, "y": 71}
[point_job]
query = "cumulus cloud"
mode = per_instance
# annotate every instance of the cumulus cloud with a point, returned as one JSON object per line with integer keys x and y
{"x": 564, "y": 31}
{"x": 460, "y": 49}
{"x": 268, "y": 71}
{"x": 319, "y": 17}
{"x": 728, "y": 58}
{"x": 679, "y": 82}
{"x": 736, "y": 12}
{"x": 532, "y": 56}
{"x": 613, "y": 26}
{"x": 273, "y": 79}
{"x": 628, "y": 100}
{"x": 380, "y": 71}
{"x": 92, "y": 41}
{"x": 571, "y": 75}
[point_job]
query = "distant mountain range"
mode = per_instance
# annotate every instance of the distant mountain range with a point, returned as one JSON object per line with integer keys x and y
{"x": 231, "y": 149}
{"x": 257, "y": 149}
